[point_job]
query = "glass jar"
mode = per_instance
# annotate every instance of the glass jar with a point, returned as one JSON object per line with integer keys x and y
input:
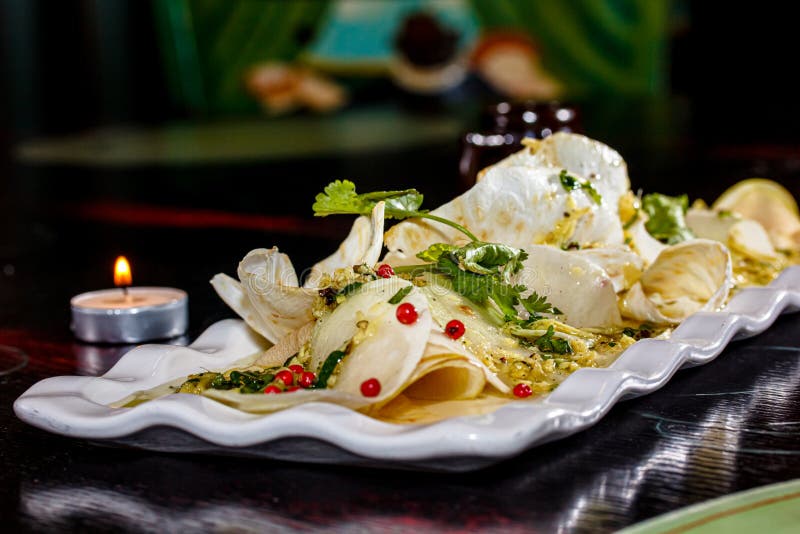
{"x": 504, "y": 125}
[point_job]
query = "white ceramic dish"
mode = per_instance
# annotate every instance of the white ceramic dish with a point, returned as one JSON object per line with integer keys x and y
{"x": 324, "y": 433}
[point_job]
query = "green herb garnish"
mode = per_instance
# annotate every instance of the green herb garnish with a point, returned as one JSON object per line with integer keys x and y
{"x": 644, "y": 331}
{"x": 570, "y": 183}
{"x": 328, "y": 367}
{"x": 433, "y": 252}
{"x": 245, "y": 381}
{"x": 350, "y": 288}
{"x": 333, "y": 296}
{"x": 725, "y": 214}
{"x": 400, "y": 295}
{"x": 551, "y": 344}
{"x": 630, "y": 222}
{"x": 497, "y": 296}
{"x": 478, "y": 257}
{"x": 340, "y": 198}
{"x": 666, "y": 217}
{"x": 535, "y": 304}
{"x": 490, "y": 258}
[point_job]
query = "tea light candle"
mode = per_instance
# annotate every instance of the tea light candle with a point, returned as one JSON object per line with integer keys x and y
{"x": 129, "y": 314}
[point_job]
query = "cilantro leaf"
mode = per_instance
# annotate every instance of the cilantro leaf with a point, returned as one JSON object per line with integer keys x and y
{"x": 340, "y": 198}
{"x": 491, "y": 258}
{"x": 535, "y": 304}
{"x": 570, "y": 183}
{"x": 433, "y": 252}
{"x": 473, "y": 286}
{"x": 492, "y": 291}
{"x": 666, "y": 217}
{"x": 506, "y": 297}
{"x": 549, "y": 343}
{"x": 398, "y": 203}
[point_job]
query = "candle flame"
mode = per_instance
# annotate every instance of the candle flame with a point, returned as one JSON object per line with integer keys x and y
{"x": 122, "y": 272}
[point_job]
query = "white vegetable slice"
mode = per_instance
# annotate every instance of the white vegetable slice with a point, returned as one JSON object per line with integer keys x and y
{"x": 270, "y": 282}
{"x": 574, "y": 284}
{"x": 710, "y": 224}
{"x": 445, "y": 377}
{"x": 439, "y": 343}
{"x": 749, "y": 238}
{"x": 521, "y": 200}
{"x": 767, "y": 203}
{"x": 745, "y": 236}
{"x": 482, "y": 341}
{"x": 622, "y": 266}
{"x": 362, "y": 245}
{"x": 643, "y": 243}
{"x": 685, "y": 278}
{"x": 581, "y": 156}
{"x": 382, "y": 347}
{"x": 232, "y": 293}
{"x": 286, "y": 347}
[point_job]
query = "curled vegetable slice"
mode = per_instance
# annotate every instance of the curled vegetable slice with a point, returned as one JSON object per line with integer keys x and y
{"x": 270, "y": 283}
{"x": 768, "y": 203}
{"x": 622, "y": 266}
{"x": 572, "y": 283}
{"x": 361, "y": 246}
{"x": 521, "y": 200}
{"x": 745, "y": 236}
{"x": 686, "y": 278}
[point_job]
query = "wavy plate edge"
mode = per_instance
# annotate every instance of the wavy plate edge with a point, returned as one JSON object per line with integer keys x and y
{"x": 73, "y": 406}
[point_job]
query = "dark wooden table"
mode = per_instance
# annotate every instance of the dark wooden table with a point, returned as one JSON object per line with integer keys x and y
{"x": 727, "y": 426}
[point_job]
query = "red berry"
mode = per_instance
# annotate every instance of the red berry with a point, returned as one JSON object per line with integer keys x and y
{"x": 370, "y": 387}
{"x": 522, "y": 390}
{"x": 454, "y": 329}
{"x": 296, "y": 369}
{"x": 293, "y": 388}
{"x": 285, "y": 376}
{"x": 385, "y": 271}
{"x": 406, "y": 313}
{"x": 307, "y": 379}
{"x": 272, "y": 389}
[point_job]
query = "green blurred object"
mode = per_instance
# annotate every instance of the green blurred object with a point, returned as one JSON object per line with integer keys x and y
{"x": 208, "y": 45}
{"x": 774, "y": 509}
{"x": 590, "y": 46}
{"x": 615, "y": 46}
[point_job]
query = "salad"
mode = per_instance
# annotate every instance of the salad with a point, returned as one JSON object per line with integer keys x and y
{"x": 549, "y": 264}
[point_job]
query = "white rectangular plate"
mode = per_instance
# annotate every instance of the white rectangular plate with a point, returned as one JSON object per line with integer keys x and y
{"x": 324, "y": 433}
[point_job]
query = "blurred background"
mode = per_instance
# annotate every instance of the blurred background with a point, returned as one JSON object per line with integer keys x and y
{"x": 186, "y": 132}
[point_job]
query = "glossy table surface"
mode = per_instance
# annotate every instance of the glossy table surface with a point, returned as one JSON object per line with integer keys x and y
{"x": 713, "y": 430}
